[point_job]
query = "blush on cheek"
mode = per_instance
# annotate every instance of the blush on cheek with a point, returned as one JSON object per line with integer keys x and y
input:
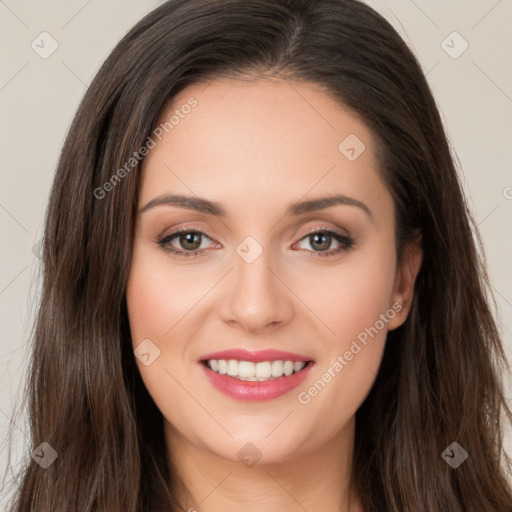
{"x": 155, "y": 300}
{"x": 144, "y": 308}
{"x": 357, "y": 305}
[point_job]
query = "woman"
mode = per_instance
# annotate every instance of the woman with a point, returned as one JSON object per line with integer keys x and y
{"x": 261, "y": 286}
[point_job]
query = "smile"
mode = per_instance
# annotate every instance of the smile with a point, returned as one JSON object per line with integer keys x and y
{"x": 263, "y": 375}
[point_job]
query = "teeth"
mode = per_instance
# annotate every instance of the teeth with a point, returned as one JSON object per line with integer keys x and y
{"x": 223, "y": 366}
{"x": 232, "y": 368}
{"x": 263, "y": 370}
{"x": 246, "y": 370}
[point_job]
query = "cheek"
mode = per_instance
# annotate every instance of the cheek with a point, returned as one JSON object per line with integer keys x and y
{"x": 158, "y": 299}
{"x": 351, "y": 296}
{"x": 146, "y": 299}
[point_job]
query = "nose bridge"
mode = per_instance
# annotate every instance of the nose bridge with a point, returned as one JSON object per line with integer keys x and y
{"x": 255, "y": 297}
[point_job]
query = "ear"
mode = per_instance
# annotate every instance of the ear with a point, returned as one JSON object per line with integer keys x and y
{"x": 403, "y": 288}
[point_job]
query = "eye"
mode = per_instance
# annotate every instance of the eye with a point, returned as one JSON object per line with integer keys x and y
{"x": 190, "y": 242}
{"x": 321, "y": 240}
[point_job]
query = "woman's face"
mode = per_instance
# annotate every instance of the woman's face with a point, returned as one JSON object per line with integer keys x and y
{"x": 277, "y": 187}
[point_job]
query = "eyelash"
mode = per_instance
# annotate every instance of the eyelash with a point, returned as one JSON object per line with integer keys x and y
{"x": 346, "y": 243}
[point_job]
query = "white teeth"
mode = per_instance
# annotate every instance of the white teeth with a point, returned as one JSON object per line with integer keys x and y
{"x": 223, "y": 366}
{"x": 263, "y": 370}
{"x": 232, "y": 367}
{"x": 245, "y": 369}
{"x": 277, "y": 368}
{"x": 248, "y": 371}
{"x": 297, "y": 367}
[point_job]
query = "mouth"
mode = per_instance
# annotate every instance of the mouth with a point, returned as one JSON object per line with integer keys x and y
{"x": 262, "y": 375}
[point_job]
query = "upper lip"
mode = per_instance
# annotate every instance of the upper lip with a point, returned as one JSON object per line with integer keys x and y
{"x": 259, "y": 356}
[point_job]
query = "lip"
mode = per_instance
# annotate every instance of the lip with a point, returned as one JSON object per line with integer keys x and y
{"x": 256, "y": 390}
{"x": 259, "y": 356}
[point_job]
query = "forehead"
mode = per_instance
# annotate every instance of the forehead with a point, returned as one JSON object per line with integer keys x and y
{"x": 263, "y": 139}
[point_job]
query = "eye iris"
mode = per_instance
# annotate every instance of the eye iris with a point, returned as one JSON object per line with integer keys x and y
{"x": 323, "y": 239}
{"x": 187, "y": 241}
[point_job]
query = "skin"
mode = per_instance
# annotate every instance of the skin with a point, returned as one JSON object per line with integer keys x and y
{"x": 254, "y": 147}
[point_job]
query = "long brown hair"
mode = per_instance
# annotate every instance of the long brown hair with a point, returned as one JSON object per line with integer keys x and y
{"x": 439, "y": 381}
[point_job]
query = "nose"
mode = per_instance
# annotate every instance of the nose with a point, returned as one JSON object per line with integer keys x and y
{"x": 256, "y": 298}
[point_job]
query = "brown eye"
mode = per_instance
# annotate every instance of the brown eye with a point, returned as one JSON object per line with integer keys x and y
{"x": 184, "y": 242}
{"x": 321, "y": 241}
{"x": 190, "y": 241}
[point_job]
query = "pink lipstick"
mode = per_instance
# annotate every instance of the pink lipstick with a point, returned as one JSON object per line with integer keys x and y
{"x": 255, "y": 375}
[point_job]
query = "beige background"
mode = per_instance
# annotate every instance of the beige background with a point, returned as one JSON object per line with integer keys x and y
{"x": 38, "y": 98}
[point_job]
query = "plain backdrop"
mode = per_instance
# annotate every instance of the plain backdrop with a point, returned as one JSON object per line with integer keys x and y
{"x": 464, "y": 47}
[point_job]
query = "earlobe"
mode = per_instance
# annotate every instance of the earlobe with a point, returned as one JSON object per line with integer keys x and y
{"x": 403, "y": 289}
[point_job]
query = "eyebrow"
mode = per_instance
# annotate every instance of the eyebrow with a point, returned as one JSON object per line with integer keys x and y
{"x": 213, "y": 208}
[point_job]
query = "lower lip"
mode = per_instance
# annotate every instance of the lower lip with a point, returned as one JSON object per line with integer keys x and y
{"x": 256, "y": 390}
